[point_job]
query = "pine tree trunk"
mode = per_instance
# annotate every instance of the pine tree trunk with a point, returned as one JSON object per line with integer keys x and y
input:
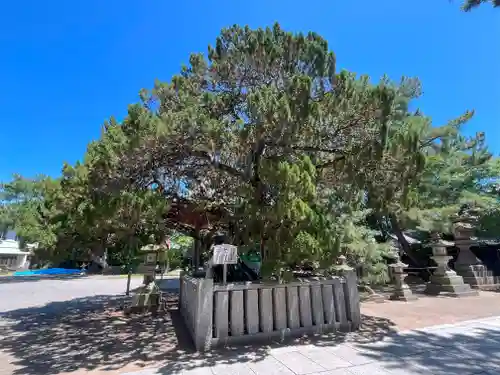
{"x": 407, "y": 248}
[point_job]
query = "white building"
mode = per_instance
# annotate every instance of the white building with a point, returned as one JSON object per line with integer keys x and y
{"x": 11, "y": 256}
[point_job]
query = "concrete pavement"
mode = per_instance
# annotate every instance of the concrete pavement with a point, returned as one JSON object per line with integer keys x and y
{"x": 457, "y": 349}
{"x": 58, "y": 327}
{"x": 25, "y": 294}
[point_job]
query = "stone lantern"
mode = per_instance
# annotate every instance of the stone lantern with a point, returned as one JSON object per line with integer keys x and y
{"x": 464, "y": 224}
{"x": 402, "y": 291}
{"x": 148, "y": 297}
{"x": 152, "y": 256}
{"x": 467, "y": 265}
{"x": 444, "y": 280}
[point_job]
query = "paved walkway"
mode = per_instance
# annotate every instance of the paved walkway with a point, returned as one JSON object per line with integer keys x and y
{"x": 76, "y": 327}
{"x": 456, "y": 349}
{"x": 428, "y": 311}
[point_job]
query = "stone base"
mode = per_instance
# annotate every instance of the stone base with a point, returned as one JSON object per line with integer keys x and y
{"x": 479, "y": 276}
{"x": 375, "y": 298}
{"x": 472, "y": 281}
{"x": 450, "y": 285}
{"x": 405, "y": 295}
{"x": 489, "y": 287}
{"x": 471, "y": 274}
{"x": 145, "y": 302}
{"x": 142, "y": 310}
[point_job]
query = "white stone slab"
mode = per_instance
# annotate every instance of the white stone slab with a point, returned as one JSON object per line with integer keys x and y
{"x": 269, "y": 366}
{"x": 232, "y": 369}
{"x": 325, "y": 358}
{"x": 351, "y": 355}
{"x": 299, "y": 363}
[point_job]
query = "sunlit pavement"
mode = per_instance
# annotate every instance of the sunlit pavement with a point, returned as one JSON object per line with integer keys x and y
{"x": 50, "y": 327}
{"x": 456, "y": 349}
{"x": 37, "y": 292}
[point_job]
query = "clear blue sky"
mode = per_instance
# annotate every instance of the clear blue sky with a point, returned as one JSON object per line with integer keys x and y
{"x": 66, "y": 66}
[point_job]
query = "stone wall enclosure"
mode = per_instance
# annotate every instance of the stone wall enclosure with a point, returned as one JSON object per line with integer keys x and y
{"x": 247, "y": 312}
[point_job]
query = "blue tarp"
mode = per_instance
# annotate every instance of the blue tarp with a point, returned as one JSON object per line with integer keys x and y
{"x": 48, "y": 271}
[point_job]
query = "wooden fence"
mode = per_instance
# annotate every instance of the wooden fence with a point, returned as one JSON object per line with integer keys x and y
{"x": 245, "y": 312}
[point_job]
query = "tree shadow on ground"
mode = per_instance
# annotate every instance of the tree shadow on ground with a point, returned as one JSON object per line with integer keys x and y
{"x": 86, "y": 333}
{"x": 439, "y": 351}
{"x": 444, "y": 351}
{"x": 373, "y": 329}
{"x": 92, "y": 333}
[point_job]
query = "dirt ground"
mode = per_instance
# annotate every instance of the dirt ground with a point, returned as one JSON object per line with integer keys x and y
{"x": 90, "y": 335}
{"x": 429, "y": 311}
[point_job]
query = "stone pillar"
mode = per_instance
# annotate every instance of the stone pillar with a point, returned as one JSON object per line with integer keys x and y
{"x": 402, "y": 291}
{"x": 203, "y": 320}
{"x": 467, "y": 265}
{"x": 351, "y": 293}
{"x": 444, "y": 280}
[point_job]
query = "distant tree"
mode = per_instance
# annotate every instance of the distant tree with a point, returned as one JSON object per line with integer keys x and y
{"x": 28, "y": 206}
{"x": 468, "y": 5}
